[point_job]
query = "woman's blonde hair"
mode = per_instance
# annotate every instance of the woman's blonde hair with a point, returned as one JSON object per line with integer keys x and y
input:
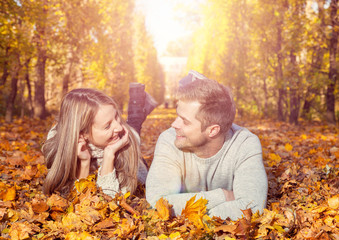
{"x": 76, "y": 116}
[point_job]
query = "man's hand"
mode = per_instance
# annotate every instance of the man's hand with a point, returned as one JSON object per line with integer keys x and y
{"x": 229, "y": 195}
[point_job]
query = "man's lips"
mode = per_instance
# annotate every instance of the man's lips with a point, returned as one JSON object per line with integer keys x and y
{"x": 180, "y": 137}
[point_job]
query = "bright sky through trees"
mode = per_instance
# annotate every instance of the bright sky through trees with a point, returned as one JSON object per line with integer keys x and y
{"x": 161, "y": 21}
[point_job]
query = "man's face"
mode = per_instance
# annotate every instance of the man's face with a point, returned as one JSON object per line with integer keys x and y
{"x": 188, "y": 128}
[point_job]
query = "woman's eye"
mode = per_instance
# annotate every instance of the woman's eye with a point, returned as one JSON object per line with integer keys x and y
{"x": 107, "y": 127}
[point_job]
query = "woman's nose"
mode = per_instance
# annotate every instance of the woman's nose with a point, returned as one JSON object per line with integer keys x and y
{"x": 118, "y": 128}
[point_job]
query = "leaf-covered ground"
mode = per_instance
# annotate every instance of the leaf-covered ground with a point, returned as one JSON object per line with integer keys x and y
{"x": 303, "y": 200}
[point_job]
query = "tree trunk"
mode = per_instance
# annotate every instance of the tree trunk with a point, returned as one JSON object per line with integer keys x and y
{"x": 279, "y": 74}
{"x": 12, "y": 95}
{"x": 333, "y": 72}
{"x": 67, "y": 73}
{"x": 39, "y": 85}
{"x": 29, "y": 88}
{"x": 5, "y": 70}
{"x": 317, "y": 62}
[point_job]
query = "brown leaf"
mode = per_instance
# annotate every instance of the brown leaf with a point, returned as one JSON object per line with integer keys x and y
{"x": 243, "y": 227}
{"x": 39, "y": 205}
{"x": 57, "y": 203}
{"x": 105, "y": 224}
{"x": 247, "y": 214}
{"x": 20, "y": 231}
{"x": 127, "y": 207}
{"x": 226, "y": 228}
{"x": 2, "y": 213}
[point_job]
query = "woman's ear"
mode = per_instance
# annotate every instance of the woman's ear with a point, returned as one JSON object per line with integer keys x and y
{"x": 85, "y": 136}
{"x": 213, "y": 130}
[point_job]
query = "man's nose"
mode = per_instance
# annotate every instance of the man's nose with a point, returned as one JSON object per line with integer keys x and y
{"x": 176, "y": 123}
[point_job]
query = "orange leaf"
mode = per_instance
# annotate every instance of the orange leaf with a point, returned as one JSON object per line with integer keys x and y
{"x": 9, "y": 195}
{"x": 288, "y": 147}
{"x": 20, "y": 231}
{"x": 163, "y": 209}
{"x": 226, "y": 228}
{"x": 333, "y": 202}
{"x": 57, "y": 203}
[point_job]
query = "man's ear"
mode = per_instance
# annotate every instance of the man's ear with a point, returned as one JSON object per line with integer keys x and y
{"x": 213, "y": 130}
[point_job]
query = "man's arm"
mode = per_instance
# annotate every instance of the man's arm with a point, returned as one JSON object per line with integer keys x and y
{"x": 249, "y": 185}
{"x": 166, "y": 174}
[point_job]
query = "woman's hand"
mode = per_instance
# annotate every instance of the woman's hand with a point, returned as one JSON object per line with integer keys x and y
{"x": 84, "y": 157}
{"x": 111, "y": 149}
{"x": 83, "y": 152}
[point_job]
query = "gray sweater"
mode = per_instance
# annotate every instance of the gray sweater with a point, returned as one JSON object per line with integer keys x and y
{"x": 238, "y": 166}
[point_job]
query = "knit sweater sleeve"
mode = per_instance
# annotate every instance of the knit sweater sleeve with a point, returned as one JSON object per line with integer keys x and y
{"x": 250, "y": 182}
{"x": 109, "y": 183}
{"x": 165, "y": 177}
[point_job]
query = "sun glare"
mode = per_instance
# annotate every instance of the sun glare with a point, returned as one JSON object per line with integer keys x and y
{"x": 161, "y": 22}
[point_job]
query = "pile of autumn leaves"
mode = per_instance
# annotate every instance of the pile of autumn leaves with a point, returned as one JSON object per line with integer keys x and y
{"x": 303, "y": 202}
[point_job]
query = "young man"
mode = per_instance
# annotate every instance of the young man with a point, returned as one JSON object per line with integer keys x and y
{"x": 206, "y": 155}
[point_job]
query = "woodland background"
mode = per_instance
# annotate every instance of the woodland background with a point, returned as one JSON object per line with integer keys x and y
{"x": 279, "y": 57}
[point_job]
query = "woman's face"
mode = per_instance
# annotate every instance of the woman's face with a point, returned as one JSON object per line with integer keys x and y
{"x": 106, "y": 127}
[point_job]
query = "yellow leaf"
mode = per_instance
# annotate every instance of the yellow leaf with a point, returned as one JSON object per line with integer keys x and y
{"x": 288, "y": 147}
{"x": 303, "y": 136}
{"x": 319, "y": 209}
{"x": 195, "y": 211}
{"x": 333, "y": 202}
{"x": 162, "y": 236}
{"x": 296, "y": 154}
{"x": 80, "y": 236}
{"x": 174, "y": 235}
{"x": 85, "y": 183}
{"x": 278, "y": 228}
{"x": 329, "y": 221}
{"x": 73, "y": 222}
{"x": 312, "y": 151}
{"x": 163, "y": 209}
{"x": 13, "y": 215}
{"x": 127, "y": 195}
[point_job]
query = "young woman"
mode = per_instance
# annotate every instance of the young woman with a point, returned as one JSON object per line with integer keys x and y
{"x": 91, "y": 134}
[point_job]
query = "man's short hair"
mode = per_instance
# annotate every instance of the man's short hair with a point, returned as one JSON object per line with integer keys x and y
{"x": 217, "y": 105}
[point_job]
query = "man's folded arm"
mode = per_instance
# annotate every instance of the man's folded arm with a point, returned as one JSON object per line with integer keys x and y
{"x": 165, "y": 180}
{"x": 249, "y": 188}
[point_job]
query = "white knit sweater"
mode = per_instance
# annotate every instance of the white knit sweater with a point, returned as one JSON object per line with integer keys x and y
{"x": 238, "y": 167}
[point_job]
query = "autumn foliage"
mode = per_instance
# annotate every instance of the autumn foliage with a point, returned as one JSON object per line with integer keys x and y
{"x": 303, "y": 199}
